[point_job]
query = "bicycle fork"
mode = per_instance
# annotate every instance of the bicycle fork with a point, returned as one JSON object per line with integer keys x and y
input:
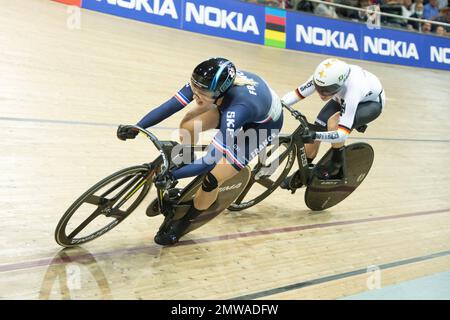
{"x": 305, "y": 171}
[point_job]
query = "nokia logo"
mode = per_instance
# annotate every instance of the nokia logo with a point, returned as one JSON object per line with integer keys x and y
{"x": 220, "y": 18}
{"x": 232, "y": 187}
{"x": 326, "y": 38}
{"x": 157, "y": 7}
{"x": 340, "y": 40}
{"x": 392, "y": 48}
{"x": 441, "y": 55}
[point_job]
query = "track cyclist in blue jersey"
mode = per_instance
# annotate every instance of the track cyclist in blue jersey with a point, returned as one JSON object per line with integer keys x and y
{"x": 248, "y": 114}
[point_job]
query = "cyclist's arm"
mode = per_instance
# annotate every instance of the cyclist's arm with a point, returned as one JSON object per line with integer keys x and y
{"x": 222, "y": 145}
{"x": 181, "y": 99}
{"x": 299, "y": 93}
{"x": 348, "y": 111}
{"x": 340, "y": 135}
{"x": 198, "y": 167}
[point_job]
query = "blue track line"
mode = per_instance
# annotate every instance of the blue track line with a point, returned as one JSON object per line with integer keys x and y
{"x": 333, "y": 277}
{"x": 102, "y": 124}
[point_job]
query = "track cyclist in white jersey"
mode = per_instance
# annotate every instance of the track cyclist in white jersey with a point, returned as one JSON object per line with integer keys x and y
{"x": 355, "y": 98}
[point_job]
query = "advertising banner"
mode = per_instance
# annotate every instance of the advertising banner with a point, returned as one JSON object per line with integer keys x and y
{"x": 294, "y": 30}
{"x": 228, "y": 19}
{"x": 163, "y": 12}
{"x": 358, "y": 41}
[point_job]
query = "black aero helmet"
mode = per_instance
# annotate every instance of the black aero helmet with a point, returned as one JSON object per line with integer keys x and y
{"x": 215, "y": 75}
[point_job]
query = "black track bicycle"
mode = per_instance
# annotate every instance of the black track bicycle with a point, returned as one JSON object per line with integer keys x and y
{"x": 107, "y": 203}
{"x": 273, "y": 167}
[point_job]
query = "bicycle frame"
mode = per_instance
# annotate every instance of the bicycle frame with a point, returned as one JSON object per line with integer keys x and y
{"x": 306, "y": 173}
{"x": 164, "y": 147}
{"x": 297, "y": 139}
{"x": 320, "y": 192}
{"x": 164, "y": 165}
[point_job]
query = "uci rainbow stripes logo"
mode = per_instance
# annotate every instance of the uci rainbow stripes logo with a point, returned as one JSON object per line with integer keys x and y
{"x": 275, "y": 34}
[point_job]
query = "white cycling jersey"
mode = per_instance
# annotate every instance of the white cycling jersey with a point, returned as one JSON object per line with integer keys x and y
{"x": 361, "y": 86}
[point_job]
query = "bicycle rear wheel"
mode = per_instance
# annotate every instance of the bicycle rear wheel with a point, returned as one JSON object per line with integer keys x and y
{"x": 104, "y": 206}
{"x": 268, "y": 173}
{"x": 324, "y": 194}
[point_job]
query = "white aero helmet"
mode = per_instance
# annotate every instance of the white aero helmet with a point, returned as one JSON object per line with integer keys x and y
{"x": 330, "y": 76}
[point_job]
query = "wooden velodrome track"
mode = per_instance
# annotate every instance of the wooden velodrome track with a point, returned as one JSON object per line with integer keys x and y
{"x": 62, "y": 94}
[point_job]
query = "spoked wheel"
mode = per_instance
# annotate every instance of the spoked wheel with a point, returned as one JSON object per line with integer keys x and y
{"x": 267, "y": 174}
{"x": 104, "y": 206}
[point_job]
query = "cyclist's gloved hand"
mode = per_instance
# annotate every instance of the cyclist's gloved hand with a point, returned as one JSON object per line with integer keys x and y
{"x": 125, "y": 132}
{"x": 309, "y": 136}
{"x": 165, "y": 181}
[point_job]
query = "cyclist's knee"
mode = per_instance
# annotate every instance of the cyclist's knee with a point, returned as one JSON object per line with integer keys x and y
{"x": 186, "y": 126}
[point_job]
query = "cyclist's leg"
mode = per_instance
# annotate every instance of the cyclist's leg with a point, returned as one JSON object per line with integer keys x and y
{"x": 252, "y": 140}
{"x": 334, "y": 169}
{"x": 207, "y": 194}
{"x": 366, "y": 112}
{"x": 325, "y": 116}
{"x": 197, "y": 120}
{"x": 203, "y": 199}
{"x": 324, "y": 119}
{"x": 227, "y": 166}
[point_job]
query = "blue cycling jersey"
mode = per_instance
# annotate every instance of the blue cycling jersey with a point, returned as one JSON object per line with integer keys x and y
{"x": 243, "y": 108}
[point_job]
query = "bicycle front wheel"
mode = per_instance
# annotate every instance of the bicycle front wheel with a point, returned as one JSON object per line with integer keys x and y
{"x": 104, "y": 206}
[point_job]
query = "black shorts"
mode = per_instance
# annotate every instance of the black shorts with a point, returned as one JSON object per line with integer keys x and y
{"x": 365, "y": 112}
